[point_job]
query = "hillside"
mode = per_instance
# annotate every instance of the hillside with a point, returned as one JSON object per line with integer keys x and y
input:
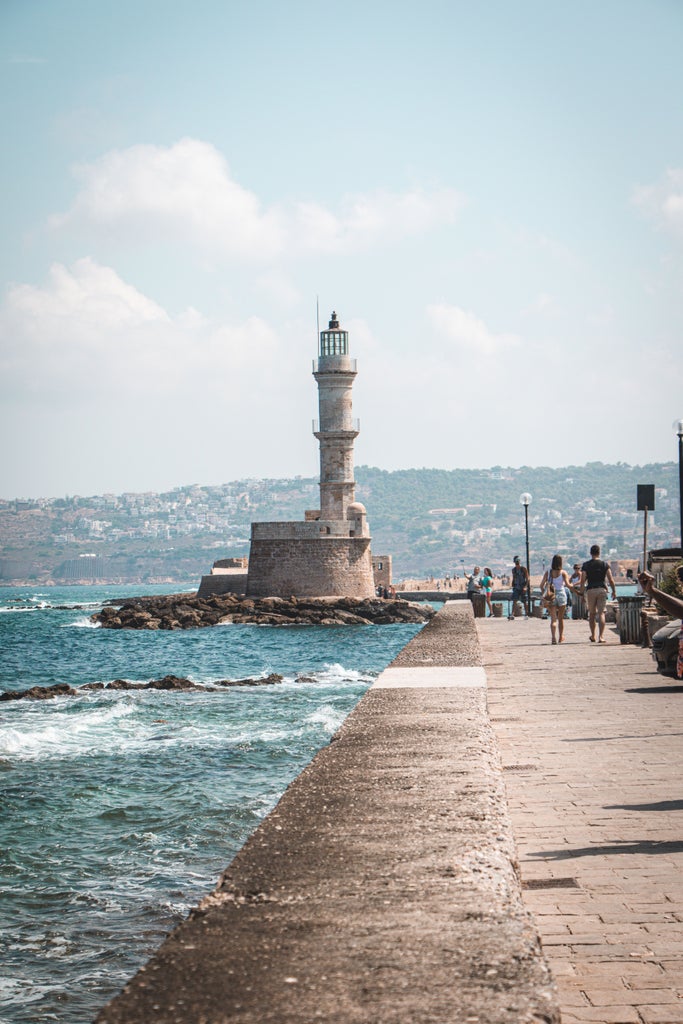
{"x": 431, "y": 521}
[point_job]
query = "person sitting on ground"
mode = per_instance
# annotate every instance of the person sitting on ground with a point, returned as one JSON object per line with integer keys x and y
{"x": 670, "y": 603}
{"x": 560, "y": 581}
{"x": 596, "y": 575}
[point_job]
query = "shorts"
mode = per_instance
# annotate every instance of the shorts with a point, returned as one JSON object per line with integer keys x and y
{"x": 561, "y": 598}
{"x": 596, "y": 600}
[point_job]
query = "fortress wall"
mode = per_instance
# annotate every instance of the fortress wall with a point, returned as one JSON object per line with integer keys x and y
{"x": 307, "y": 529}
{"x": 313, "y": 566}
{"x": 223, "y": 583}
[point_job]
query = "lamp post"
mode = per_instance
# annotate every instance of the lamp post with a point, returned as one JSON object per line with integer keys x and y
{"x": 678, "y": 429}
{"x": 525, "y": 499}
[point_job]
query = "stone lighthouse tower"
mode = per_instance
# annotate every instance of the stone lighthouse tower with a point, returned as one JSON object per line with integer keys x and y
{"x": 336, "y": 430}
{"x": 328, "y": 554}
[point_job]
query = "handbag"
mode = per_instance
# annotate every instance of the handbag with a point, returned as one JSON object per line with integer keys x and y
{"x": 548, "y": 596}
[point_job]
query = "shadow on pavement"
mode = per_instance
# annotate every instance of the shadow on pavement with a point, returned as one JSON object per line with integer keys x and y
{"x": 656, "y": 689}
{"x": 645, "y": 846}
{"x": 661, "y": 805}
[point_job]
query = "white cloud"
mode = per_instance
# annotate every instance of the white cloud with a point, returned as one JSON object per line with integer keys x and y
{"x": 185, "y": 192}
{"x": 371, "y": 219}
{"x": 88, "y": 333}
{"x": 467, "y": 332}
{"x": 664, "y": 200}
{"x": 103, "y": 388}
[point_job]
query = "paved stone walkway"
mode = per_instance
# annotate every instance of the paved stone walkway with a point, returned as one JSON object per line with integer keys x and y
{"x": 591, "y": 740}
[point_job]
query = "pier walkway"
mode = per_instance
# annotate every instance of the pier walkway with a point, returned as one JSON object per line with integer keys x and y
{"x": 591, "y": 741}
{"x": 489, "y": 790}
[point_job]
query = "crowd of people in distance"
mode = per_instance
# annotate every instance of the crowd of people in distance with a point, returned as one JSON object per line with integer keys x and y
{"x": 592, "y": 580}
{"x": 482, "y": 583}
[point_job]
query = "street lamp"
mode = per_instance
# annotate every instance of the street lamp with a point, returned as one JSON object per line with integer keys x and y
{"x": 678, "y": 429}
{"x": 525, "y": 499}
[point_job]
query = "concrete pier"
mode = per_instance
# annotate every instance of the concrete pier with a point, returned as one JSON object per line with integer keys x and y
{"x": 591, "y": 741}
{"x": 383, "y": 888}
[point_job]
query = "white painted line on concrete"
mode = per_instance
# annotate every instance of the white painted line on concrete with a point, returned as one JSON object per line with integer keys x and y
{"x": 425, "y": 676}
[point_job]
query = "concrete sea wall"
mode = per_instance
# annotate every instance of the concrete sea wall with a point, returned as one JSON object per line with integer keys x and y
{"x": 383, "y": 887}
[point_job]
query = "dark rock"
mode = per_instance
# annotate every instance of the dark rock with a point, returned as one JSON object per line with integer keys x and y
{"x": 269, "y": 680}
{"x": 124, "y": 684}
{"x": 183, "y": 611}
{"x": 169, "y": 682}
{"x": 173, "y": 683}
{"x": 40, "y": 692}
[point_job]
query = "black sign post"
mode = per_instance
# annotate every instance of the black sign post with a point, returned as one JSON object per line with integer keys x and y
{"x": 646, "y": 502}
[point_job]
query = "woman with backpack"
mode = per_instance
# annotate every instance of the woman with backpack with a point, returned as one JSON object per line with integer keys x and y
{"x": 556, "y": 578}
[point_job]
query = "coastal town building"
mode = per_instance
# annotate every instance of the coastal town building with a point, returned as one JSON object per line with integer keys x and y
{"x": 382, "y": 571}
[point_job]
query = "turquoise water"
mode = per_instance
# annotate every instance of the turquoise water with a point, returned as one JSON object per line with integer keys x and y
{"x": 121, "y": 808}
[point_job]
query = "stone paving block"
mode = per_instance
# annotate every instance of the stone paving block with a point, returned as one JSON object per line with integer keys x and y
{"x": 602, "y": 1015}
{"x": 620, "y": 995}
{"x": 630, "y": 968}
{"x": 674, "y": 971}
{"x": 665, "y": 1014}
{"x": 570, "y": 995}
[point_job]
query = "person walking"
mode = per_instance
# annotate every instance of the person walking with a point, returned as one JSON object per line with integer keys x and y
{"x": 487, "y": 588}
{"x": 596, "y": 576}
{"x": 520, "y": 582}
{"x": 557, "y": 576}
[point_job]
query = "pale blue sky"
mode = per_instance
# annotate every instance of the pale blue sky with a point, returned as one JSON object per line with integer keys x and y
{"x": 491, "y": 195}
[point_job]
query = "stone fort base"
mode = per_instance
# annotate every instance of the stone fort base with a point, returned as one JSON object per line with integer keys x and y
{"x": 320, "y": 566}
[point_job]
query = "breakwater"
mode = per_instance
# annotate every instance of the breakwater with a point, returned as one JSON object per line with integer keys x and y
{"x": 382, "y": 887}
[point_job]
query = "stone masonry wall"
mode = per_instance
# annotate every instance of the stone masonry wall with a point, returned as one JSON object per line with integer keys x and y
{"x": 316, "y": 567}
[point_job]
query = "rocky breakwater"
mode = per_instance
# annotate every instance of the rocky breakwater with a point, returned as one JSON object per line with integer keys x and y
{"x": 187, "y": 611}
{"x": 169, "y": 682}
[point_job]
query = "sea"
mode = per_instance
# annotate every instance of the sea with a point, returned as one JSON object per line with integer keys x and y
{"x": 120, "y": 809}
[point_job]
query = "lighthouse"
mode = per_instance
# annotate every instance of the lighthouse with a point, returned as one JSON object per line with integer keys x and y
{"x": 336, "y": 430}
{"x": 328, "y": 553}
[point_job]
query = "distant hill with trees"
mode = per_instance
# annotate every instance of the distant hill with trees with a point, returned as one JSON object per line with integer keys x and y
{"x": 432, "y": 521}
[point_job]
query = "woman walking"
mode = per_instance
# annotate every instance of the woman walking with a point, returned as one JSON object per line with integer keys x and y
{"x": 560, "y": 581}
